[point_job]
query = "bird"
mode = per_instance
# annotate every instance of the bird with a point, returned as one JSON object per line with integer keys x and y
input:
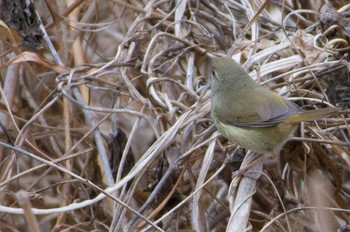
{"x": 251, "y": 115}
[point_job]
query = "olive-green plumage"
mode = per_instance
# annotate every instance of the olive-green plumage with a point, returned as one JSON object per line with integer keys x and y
{"x": 250, "y": 115}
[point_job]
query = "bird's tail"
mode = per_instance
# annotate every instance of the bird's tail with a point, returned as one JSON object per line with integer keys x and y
{"x": 312, "y": 115}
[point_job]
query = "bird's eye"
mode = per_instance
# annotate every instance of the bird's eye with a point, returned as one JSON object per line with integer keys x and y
{"x": 213, "y": 73}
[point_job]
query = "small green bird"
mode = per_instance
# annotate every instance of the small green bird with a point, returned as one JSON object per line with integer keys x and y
{"x": 250, "y": 115}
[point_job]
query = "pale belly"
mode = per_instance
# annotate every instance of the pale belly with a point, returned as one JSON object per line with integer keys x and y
{"x": 259, "y": 140}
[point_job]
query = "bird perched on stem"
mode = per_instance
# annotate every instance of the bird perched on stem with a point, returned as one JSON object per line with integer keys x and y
{"x": 250, "y": 115}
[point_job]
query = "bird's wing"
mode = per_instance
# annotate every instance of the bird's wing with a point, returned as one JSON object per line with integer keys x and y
{"x": 270, "y": 110}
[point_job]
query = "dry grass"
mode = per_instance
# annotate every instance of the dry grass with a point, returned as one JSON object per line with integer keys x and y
{"x": 114, "y": 132}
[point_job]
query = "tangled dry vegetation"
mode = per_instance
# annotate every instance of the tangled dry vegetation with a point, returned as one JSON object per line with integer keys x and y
{"x": 113, "y": 132}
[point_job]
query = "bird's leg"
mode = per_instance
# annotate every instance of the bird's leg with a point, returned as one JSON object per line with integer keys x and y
{"x": 279, "y": 165}
{"x": 277, "y": 156}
